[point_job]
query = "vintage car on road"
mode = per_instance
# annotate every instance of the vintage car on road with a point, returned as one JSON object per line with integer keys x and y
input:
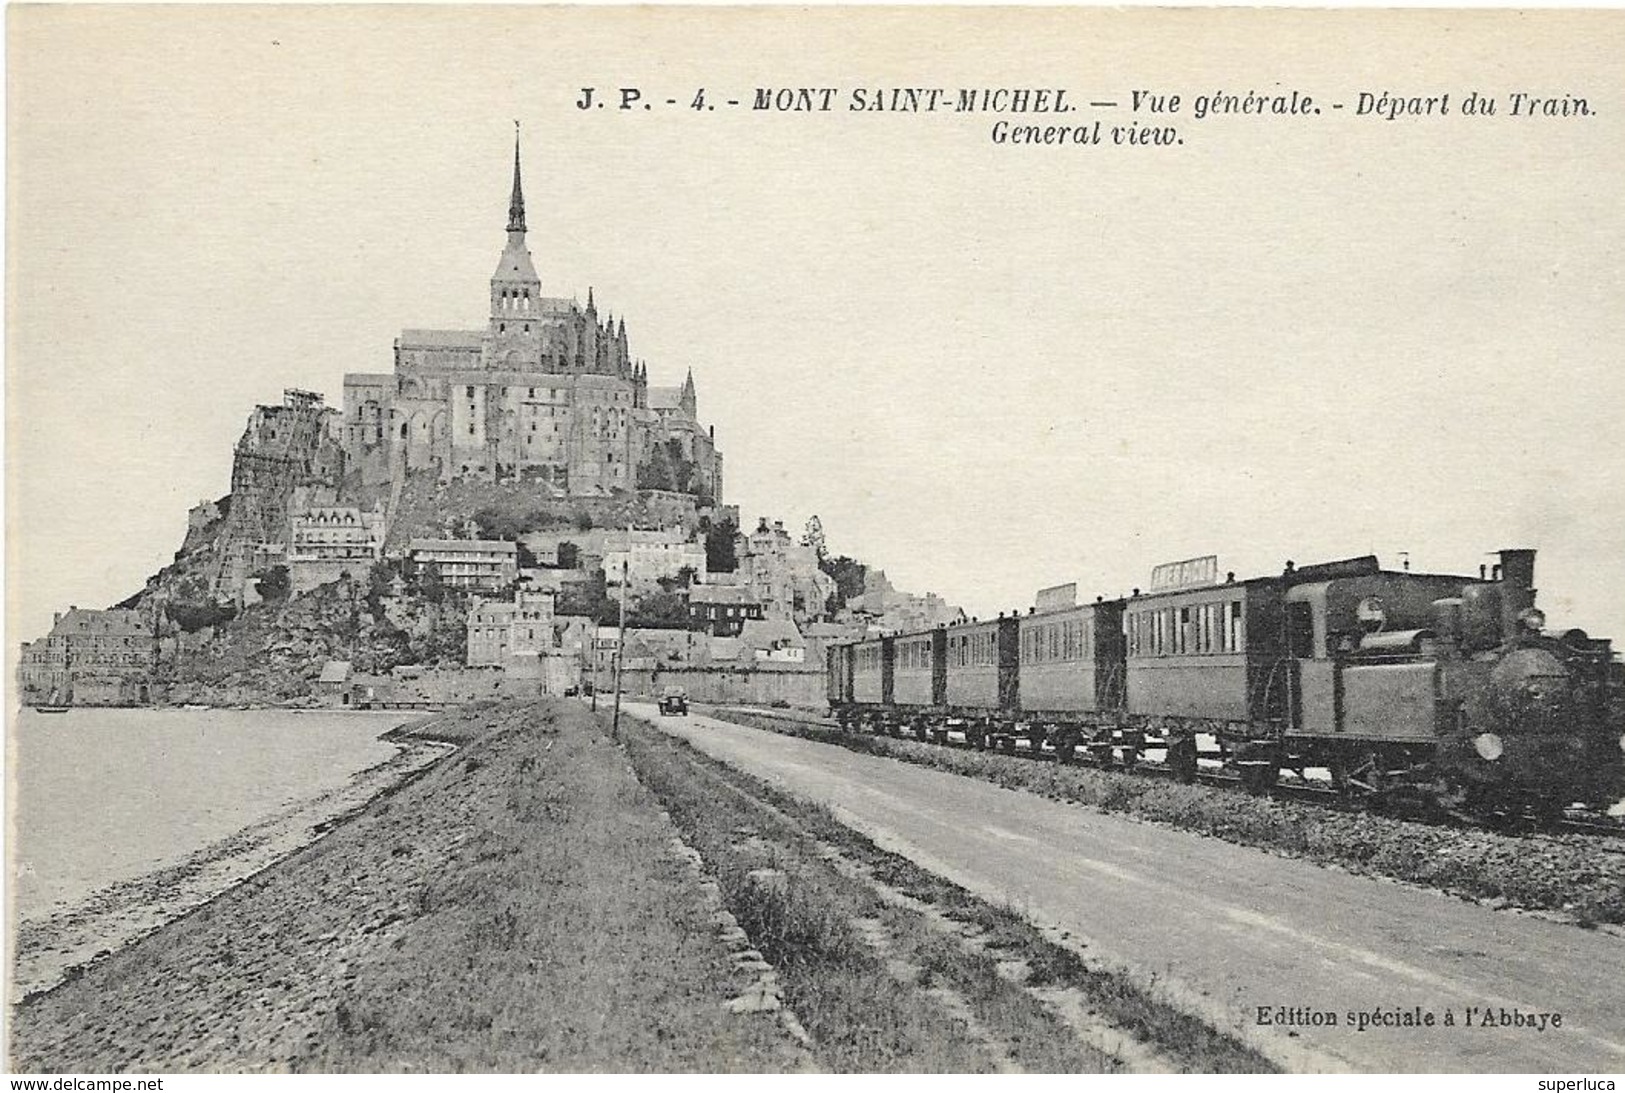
{"x": 673, "y": 700}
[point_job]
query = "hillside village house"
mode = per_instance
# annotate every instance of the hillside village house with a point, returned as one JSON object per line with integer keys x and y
{"x": 774, "y": 641}
{"x": 721, "y": 609}
{"x": 505, "y": 633}
{"x": 485, "y": 564}
{"x": 647, "y": 557}
{"x": 783, "y": 575}
{"x": 328, "y": 541}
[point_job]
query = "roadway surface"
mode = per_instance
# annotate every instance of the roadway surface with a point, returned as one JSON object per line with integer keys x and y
{"x": 1225, "y": 929}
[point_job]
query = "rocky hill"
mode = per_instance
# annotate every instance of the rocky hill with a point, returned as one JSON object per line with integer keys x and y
{"x": 274, "y": 650}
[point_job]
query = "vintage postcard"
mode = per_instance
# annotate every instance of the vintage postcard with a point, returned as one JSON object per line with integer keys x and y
{"x": 845, "y": 539}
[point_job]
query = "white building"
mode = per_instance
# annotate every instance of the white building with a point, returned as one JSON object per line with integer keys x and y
{"x": 651, "y": 556}
{"x": 488, "y": 564}
{"x": 328, "y": 541}
{"x": 774, "y": 641}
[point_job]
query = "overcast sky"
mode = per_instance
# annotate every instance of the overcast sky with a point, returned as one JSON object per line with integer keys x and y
{"x": 988, "y": 369}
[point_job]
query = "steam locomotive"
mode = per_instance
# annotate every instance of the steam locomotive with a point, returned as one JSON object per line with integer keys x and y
{"x": 1401, "y": 686}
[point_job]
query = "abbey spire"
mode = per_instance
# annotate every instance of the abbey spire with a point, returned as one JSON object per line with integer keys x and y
{"x": 516, "y": 291}
{"x": 516, "y": 203}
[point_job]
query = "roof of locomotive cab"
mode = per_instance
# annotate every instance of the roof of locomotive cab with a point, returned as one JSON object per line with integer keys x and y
{"x": 1298, "y": 590}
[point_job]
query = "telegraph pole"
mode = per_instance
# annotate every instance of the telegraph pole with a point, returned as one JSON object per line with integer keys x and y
{"x": 589, "y": 662}
{"x": 620, "y": 642}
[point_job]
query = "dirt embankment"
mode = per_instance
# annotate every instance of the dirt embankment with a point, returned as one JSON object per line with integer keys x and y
{"x": 522, "y": 906}
{"x": 1576, "y": 875}
{"x": 60, "y": 946}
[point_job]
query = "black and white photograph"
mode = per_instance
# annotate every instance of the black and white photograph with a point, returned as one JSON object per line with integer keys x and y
{"x": 822, "y": 540}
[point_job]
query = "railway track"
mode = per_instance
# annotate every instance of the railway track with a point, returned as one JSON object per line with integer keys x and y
{"x": 1321, "y": 795}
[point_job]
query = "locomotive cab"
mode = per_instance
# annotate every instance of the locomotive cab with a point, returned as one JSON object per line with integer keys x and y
{"x": 1362, "y": 657}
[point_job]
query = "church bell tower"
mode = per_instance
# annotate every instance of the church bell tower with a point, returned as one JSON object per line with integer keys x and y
{"x": 515, "y": 288}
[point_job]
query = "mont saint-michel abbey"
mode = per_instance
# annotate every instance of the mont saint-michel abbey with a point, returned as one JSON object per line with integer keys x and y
{"x": 547, "y": 392}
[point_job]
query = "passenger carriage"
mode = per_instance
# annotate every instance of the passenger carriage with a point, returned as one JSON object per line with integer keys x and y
{"x": 1202, "y": 660}
{"x": 1072, "y": 672}
{"x": 871, "y": 675}
{"x": 981, "y": 685}
{"x": 915, "y": 674}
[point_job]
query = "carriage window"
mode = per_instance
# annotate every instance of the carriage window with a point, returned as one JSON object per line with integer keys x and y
{"x": 1300, "y": 630}
{"x": 1232, "y": 626}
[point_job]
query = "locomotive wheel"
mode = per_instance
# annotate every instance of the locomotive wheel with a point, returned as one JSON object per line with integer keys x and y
{"x": 1182, "y": 760}
{"x": 1546, "y": 813}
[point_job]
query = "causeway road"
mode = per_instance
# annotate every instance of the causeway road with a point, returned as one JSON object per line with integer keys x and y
{"x": 1272, "y": 948}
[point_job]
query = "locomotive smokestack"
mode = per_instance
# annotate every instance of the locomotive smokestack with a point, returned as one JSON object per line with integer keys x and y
{"x": 1517, "y": 571}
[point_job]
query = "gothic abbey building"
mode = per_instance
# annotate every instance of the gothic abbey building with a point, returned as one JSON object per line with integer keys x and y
{"x": 547, "y": 392}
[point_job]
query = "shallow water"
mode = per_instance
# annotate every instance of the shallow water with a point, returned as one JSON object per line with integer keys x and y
{"x": 100, "y": 796}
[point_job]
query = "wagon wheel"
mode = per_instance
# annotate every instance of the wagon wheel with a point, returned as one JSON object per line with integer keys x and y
{"x": 1182, "y": 759}
{"x": 1344, "y": 773}
{"x": 1259, "y": 778}
{"x": 1065, "y": 741}
{"x": 1259, "y": 767}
